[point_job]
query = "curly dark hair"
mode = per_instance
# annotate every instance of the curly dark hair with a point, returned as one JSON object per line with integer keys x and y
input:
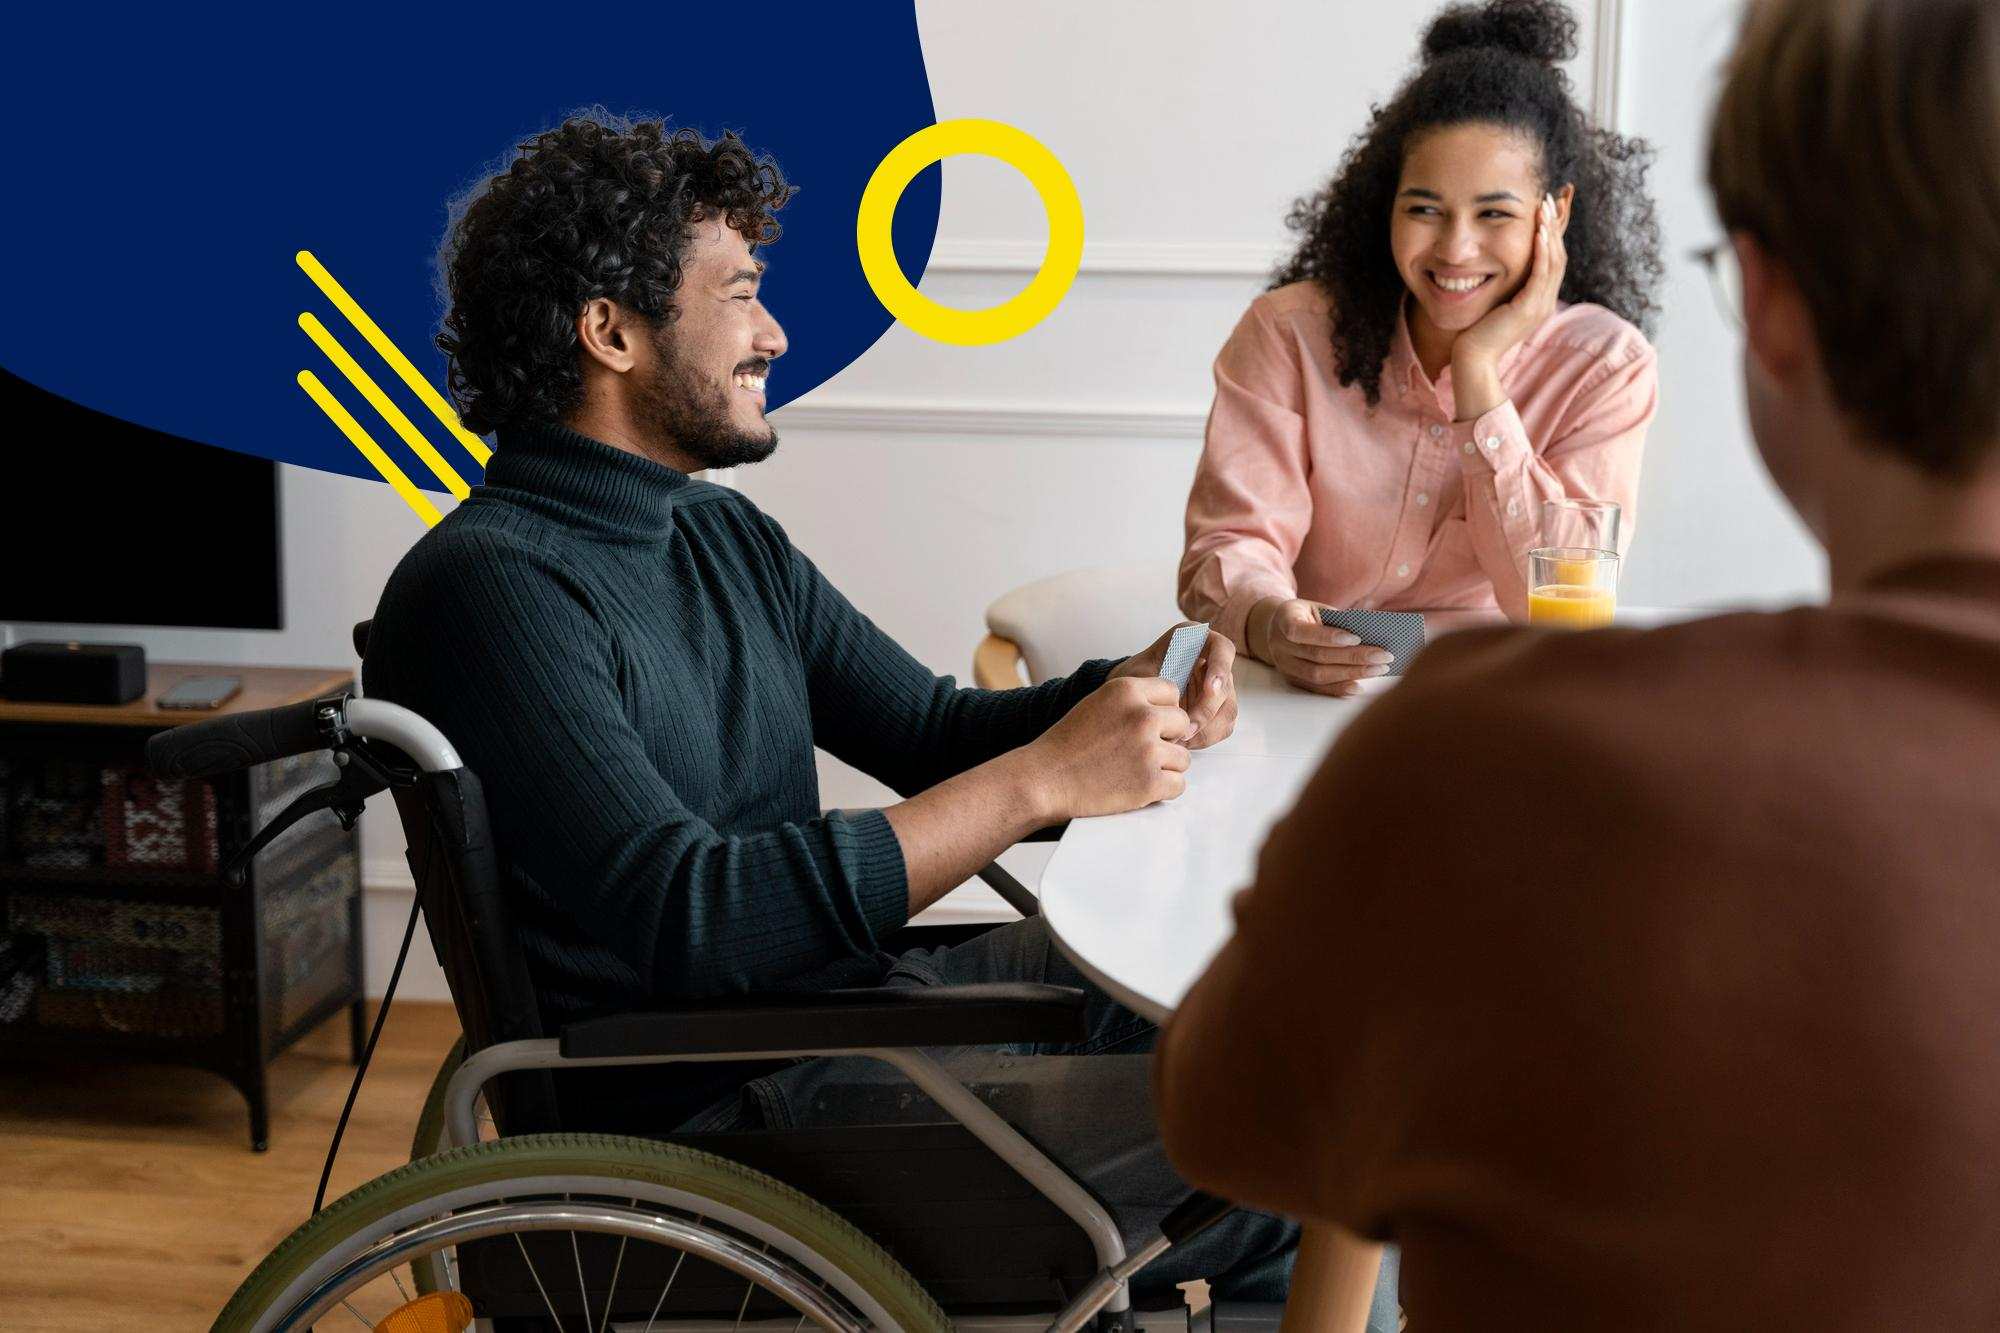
{"x": 596, "y": 207}
{"x": 1489, "y": 64}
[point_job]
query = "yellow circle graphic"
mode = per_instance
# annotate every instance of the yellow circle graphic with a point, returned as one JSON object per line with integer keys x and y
{"x": 949, "y": 324}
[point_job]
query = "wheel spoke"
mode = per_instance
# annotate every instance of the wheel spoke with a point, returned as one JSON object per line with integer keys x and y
{"x": 549, "y": 1304}
{"x": 582, "y": 1287}
{"x": 612, "y": 1295}
{"x": 679, "y": 1259}
{"x": 366, "y": 1322}
{"x": 748, "y": 1292}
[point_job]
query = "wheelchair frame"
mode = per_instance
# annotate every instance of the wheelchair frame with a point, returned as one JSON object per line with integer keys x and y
{"x": 883, "y": 1024}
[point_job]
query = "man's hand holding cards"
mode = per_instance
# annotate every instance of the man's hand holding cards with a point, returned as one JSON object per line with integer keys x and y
{"x": 1199, "y": 663}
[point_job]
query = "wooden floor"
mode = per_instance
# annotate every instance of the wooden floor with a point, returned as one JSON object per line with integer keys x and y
{"x": 129, "y": 1197}
{"x": 129, "y": 1190}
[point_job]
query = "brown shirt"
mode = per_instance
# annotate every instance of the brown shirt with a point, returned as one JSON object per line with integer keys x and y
{"x": 1639, "y": 979}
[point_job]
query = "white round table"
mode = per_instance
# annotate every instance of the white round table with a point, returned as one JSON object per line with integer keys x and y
{"x": 1140, "y": 901}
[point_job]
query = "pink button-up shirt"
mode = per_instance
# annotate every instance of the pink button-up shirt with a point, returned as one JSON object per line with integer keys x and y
{"x": 1304, "y": 491}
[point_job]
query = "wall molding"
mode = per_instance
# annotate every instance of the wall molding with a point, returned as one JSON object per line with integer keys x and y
{"x": 1606, "y": 60}
{"x": 1244, "y": 261}
{"x": 916, "y": 416}
{"x": 1164, "y": 259}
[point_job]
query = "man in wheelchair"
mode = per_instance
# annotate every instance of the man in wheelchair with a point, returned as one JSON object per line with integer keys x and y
{"x": 638, "y": 666}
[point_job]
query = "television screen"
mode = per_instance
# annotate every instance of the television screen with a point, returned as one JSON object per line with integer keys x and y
{"x": 108, "y": 523}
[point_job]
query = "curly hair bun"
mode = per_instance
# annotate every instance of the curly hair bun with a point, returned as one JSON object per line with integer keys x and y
{"x": 1541, "y": 30}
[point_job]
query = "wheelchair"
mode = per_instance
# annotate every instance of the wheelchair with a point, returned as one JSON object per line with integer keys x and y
{"x": 512, "y": 1216}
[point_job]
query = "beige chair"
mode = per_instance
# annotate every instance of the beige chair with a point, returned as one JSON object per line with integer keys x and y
{"x": 1046, "y": 628}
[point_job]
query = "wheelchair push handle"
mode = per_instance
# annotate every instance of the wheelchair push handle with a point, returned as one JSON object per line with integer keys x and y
{"x": 220, "y": 745}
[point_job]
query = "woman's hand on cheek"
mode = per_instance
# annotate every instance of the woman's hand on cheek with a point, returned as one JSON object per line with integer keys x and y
{"x": 1475, "y": 357}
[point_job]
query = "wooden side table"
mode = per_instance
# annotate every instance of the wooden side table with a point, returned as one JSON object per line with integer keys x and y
{"x": 147, "y": 952}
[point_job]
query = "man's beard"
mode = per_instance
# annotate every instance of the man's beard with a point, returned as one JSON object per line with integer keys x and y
{"x": 691, "y": 414}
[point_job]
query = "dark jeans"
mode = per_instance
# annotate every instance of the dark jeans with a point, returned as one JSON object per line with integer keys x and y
{"x": 1088, "y": 1105}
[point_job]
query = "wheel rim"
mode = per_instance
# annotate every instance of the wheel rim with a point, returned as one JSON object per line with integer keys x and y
{"x": 759, "y": 1269}
{"x": 317, "y": 1283}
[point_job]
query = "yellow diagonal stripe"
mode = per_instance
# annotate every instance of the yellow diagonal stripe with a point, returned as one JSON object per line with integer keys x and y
{"x": 388, "y": 351}
{"x": 370, "y": 450}
{"x": 378, "y": 400}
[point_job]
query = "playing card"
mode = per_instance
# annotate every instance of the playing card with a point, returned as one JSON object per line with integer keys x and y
{"x": 1182, "y": 650}
{"x": 1401, "y": 632}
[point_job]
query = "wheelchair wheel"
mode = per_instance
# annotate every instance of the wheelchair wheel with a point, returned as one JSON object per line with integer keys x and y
{"x": 430, "y": 1123}
{"x": 582, "y": 1231}
{"x": 428, "y": 1139}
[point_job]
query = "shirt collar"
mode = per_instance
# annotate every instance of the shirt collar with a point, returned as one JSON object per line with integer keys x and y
{"x": 583, "y": 481}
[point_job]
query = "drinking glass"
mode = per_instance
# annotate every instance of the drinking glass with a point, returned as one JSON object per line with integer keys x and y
{"x": 1592, "y": 524}
{"x": 1572, "y": 586}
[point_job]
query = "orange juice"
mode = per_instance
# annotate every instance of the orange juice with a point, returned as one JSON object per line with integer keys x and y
{"x": 1571, "y": 573}
{"x": 1574, "y": 606}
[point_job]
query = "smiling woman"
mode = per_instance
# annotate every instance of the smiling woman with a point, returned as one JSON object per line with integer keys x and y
{"x": 1457, "y": 340}
{"x": 1492, "y": 68}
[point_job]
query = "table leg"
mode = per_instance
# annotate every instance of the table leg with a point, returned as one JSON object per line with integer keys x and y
{"x": 1333, "y": 1282}
{"x": 251, "y": 1083}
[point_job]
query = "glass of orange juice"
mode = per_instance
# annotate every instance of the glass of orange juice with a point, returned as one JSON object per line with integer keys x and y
{"x": 1572, "y": 586}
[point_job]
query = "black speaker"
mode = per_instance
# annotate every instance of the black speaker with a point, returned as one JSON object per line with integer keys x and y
{"x": 73, "y": 673}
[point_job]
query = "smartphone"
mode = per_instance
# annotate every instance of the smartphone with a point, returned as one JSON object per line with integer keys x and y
{"x": 202, "y": 692}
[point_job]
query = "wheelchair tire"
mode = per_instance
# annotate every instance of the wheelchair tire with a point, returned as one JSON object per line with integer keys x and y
{"x": 789, "y": 1226}
{"x": 429, "y": 1137}
{"x": 430, "y": 1124}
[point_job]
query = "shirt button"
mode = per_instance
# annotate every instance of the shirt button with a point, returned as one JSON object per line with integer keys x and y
{"x": 1493, "y": 442}
{"x": 1467, "y": 446}
{"x": 1423, "y": 498}
{"x": 1402, "y": 571}
{"x": 1513, "y": 509}
{"x": 1436, "y": 431}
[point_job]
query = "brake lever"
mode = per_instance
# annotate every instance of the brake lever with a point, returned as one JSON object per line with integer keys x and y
{"x": 360, "y": 778}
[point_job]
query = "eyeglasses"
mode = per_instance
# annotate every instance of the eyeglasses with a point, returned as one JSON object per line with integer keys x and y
{"x": 1725, "y": 277}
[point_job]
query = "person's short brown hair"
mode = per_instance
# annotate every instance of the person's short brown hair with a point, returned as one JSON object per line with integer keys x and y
{"x": 1859, "y": 142}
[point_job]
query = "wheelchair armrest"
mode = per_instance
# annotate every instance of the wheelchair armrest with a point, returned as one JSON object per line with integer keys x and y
{"x": 881, "y": 1016}
{"x": 1053, "y": 833}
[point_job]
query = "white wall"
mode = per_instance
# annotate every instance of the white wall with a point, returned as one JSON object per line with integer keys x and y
{"x": 1712, "y": 527}
{"x": 927, "y": 480}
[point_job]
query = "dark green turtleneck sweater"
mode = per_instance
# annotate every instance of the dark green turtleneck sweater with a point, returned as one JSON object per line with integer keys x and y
{"x": 638, "y": 665}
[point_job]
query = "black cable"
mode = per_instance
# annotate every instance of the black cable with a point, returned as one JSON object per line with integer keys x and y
{"x": 367, "y": 1054}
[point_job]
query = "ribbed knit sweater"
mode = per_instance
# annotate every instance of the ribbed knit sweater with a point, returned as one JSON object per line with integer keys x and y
{"x": 638, "y": 665}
